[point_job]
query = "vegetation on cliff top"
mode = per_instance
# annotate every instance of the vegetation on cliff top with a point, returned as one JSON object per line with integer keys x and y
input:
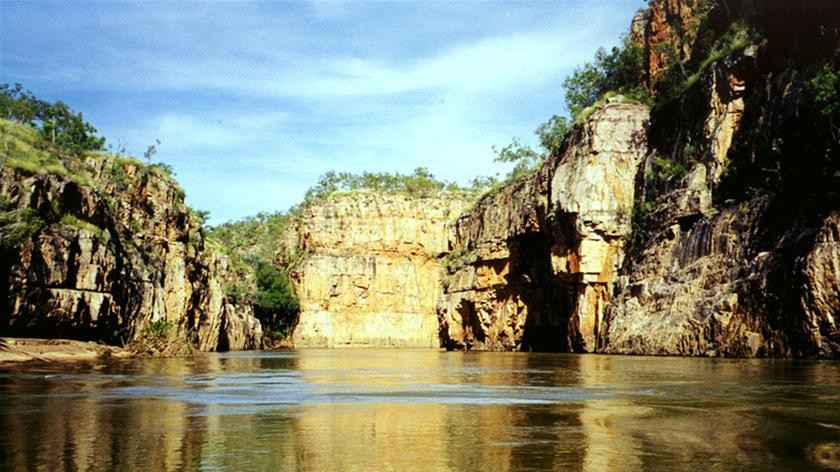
{"x": 619, "y": 71}
{"x": 59, "y": 126}
{"x": 419, "y": 184}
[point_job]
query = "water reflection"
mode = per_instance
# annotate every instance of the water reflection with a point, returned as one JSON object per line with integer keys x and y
{"x": 420, "y": 410}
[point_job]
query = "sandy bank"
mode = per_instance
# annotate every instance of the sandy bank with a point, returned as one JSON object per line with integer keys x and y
{"x": 49, "y": 350}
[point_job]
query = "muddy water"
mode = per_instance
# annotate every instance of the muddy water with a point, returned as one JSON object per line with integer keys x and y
{"x": 402, "y": 410}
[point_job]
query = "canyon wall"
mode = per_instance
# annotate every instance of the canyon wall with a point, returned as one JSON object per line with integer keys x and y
{"x": 738, "y": 256}
{"x": 705, "y": 226}
{"x": 533, "y": 265}
{"x": 370, "y": 275}
{"x": 107, "y": 253}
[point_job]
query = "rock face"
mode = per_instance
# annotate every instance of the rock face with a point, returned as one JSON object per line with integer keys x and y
{"x": 736, "y": 255}
{"x": 371, "y": 276}
{"x": 110, "y": 258}
{"x": 707, "y": 290}
{"x": 739, "y": 257}
{"x": 666, "y": 31}
{"x": 533, "y": 265}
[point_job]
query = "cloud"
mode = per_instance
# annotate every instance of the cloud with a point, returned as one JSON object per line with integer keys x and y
{"x": 490, "y": 63}
{"x": 218, "y": 130}
{"x": 253, "y": 101}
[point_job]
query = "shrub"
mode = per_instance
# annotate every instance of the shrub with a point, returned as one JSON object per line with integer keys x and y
{"x": 75, "y": 222}
{"x": 421, "y": 183}
{"x": 56, "y": 122}
{"x": 826, "y": 88}
{"x": 619, "y": 70}
{"x": 668, "y": 169}
{"x": 525, "y": 159}
{"x": 276, "y": 303}
{"x": 16, "y": 226}
{"x": 162, "y": 338}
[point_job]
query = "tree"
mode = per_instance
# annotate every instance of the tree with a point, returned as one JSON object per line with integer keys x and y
{"x": 277, "y": 305}
{"x": 620, "y": 70}
{"x": 523, "y": 157}
{"x": 551, "y": 135}
{"x": 552, "y": 132}
{"x": 56, "y": 122}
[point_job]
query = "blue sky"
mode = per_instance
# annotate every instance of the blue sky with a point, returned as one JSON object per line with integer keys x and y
{"x": 253, "y": 101}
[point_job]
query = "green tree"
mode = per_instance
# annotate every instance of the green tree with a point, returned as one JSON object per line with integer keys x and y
{"x": 552, "y": 133}
{"x": 525, "y": 159}
{"x": 522, "y": 156}
{"x": 17, "y": 105}
{"x": 276, "y": 303}
{"x": 56, "y": 122}
{"x": 620, "y": 70}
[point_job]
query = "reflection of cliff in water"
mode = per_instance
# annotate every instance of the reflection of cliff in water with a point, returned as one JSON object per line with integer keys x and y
{"x": 419, "y": 410}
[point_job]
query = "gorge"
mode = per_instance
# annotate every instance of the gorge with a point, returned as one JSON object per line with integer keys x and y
{"x": 702, "y": 219}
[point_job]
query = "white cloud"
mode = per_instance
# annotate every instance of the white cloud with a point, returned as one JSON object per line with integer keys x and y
{"x": 218, "y": 130}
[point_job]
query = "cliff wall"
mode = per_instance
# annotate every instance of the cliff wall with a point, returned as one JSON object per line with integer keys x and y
{"x": 732, "y": 250}
{"x": 370, "y": 275}
{"x": 739, "y": 256}
{"x": 534, "y": 264}
{"x": 105, "y": 253}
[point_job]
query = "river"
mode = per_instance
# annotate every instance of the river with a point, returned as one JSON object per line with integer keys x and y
{"x": 423, "y": 410}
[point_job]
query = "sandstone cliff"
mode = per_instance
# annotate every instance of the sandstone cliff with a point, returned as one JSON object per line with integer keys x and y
{"x": 371, "y": 276}
{"x": 733, "y": 195}
{"x": 534, "y": 264}
{"x": 105, "y": 251}
{"x": 738, "y": 256}
{"x": 707, "y": 223}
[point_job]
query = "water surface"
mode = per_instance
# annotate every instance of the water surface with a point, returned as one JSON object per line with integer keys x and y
{"x": 424, "y": 410}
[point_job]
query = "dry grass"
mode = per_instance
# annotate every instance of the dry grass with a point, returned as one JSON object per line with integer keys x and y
{"x": 162, "y": 339}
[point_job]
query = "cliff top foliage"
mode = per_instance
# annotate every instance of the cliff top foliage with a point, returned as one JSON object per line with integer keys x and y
{"x": 58, "y": 125}
{"x": 619, "y": 71}
{"x": 419, "y": 184}
{"x": 39, "y": 136}
{"x": 256, "y": 247}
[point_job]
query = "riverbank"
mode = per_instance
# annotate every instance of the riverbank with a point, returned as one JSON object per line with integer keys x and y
{"x": 49, "y": 350}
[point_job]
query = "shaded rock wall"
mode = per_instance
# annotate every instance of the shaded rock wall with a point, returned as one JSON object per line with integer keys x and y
{"x": 739, "y": 256}
{"x": 534, "y": 264}
{"x": 111, "y": 258}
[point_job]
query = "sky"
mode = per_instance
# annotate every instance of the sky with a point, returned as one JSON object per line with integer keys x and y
{"x": 253, "y": 101}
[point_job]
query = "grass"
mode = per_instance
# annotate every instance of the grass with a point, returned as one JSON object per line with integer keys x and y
{"x": 585, "y": 113}
{"x": 78, "y": 223}
{"x": 16, "y": 226}
{"x": 22, "y": 148}
{"x": 736, "y": 38}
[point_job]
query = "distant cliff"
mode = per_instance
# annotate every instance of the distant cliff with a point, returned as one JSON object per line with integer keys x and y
{"x": 371, "y": 274}
{"x": 102, "y": 247}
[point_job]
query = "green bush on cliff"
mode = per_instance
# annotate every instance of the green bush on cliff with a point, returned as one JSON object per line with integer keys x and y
{"x": 60, "y": 126}
{"x": 255, "y": 246}
{"x": 18, "y": 225}
{"x": 826, "y": 88}
{"x": 75, "y": 222}
{"x": 621, "y": 70}
{"x": 526, "y": 160}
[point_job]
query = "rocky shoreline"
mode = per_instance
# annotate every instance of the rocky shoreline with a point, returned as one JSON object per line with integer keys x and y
{"x": 18, "y": 350}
